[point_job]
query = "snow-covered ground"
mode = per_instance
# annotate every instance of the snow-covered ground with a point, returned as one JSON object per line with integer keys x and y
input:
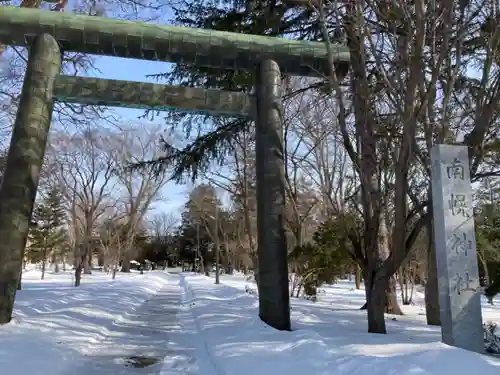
{"x": 56, "y": 326}
{"x": 329, "y": 336}
{"x": 169, "y": 324}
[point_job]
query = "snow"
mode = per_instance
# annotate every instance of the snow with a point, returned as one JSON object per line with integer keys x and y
{"x": 56, "y": 325}
{"x": 328, "y": 337}
{"x": 186, "y": 325}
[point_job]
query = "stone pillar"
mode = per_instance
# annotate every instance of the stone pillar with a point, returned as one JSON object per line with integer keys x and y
{"x": 24, "y": 161}
{"x": 274, "y": 300}
{"x": 456, "y": 259}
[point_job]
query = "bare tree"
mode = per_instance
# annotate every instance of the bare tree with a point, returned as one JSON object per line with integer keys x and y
{"x": 162, "y": 224}
{"x": 319, "y": 150}
{"x": 112, "y": 232}
{"x": 139, "y": 187}
{"x": 238, "y": 179}
{"x": 85, "y": 171}
{"x": 301, "y": 199}
{"x": 395, "y": 108}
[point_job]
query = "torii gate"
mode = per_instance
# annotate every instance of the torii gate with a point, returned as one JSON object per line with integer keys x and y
{"x": 49, "y": 34}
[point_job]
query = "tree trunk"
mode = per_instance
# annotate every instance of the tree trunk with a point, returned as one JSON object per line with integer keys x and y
{"x": 54, "y": 261}
{"x": 391, "y": 300}
{"x": 89, "y": 259}
{"x": 484, "y": 265}
{"x": 358, "y": 277}
{"x": 217, "y": 271}
{"x": 24, "y": 161}
{"x": 125, "y": 261}
{"x": 391, "y": 304}
{"x": 206, "y": 266}
{"x": 78, "y": 274}
{"x": 255, "y": 262}
{"x": 376, "y": 319}
{"x": 43, "y": 267}
{"x": 486, "y": 273}
{"x": 86, "y": 262}
{"x": 431, "y": 286}
{"x": 226, "y": 261}
{"x": 19, "y": 281}
{"x": 376, "y": 300}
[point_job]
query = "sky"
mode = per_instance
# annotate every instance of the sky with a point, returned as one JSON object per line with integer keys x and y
{"x": 173, "y": 195}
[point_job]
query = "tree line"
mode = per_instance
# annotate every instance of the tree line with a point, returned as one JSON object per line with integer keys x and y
{"x": 358, "y": 141}
{"x": 89, "y": 201}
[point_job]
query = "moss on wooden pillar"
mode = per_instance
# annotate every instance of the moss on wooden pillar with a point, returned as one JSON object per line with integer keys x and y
{"x": 24, "y": 161}
{"x": 274, "y": 300}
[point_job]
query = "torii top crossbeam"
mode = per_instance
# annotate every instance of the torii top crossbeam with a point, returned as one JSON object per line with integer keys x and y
{"x": 204, "y": 48}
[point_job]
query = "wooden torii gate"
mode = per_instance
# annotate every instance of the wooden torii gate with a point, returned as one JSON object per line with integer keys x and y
{"x": 49, "y": 34}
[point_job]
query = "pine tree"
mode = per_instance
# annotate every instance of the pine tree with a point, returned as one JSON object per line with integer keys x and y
{"x": 290, "y": 19}
{"x": 48, "y": 234}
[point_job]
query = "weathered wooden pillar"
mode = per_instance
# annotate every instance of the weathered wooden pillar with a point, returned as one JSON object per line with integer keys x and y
{"x": 24, "y": 161}
{"x": 274, "y": 300}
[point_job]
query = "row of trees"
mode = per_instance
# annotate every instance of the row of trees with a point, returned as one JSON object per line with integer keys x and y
{"x": 326, "y": 250}
{"x": 358, "y": 142}
{"x": 90, "y": 201}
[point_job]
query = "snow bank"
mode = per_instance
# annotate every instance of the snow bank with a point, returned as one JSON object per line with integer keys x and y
{"x": 55, "y": 324}
{"x": 328, "y": 338}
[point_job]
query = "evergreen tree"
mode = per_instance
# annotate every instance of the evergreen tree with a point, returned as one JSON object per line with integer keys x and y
{"x": 48, "y": 234}
{"x": 293, "y": 19}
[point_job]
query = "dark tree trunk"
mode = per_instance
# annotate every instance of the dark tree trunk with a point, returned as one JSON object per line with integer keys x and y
{"x": 206, "y": 266}
{"x": 78, "y": 275}
{"x": 24, "y": 161}
{"x": 274, "y": 300}
{"x": 382, "y": 288}
{"x": 23, "y": 266}
{"x": 19, "y": 281}
{"x": 43, "y": 268}
{"x": 217, "y": 266}
{"x": 431, "y": 286}
{"x": 55, "y": 261}
{"x": 201, "y": 264}
{"x": 371, "y": 197}
{"x": 391, "y": 302}
{"x": 376, "y": 300}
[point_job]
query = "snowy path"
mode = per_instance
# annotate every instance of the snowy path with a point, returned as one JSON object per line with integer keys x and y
{"x": 183, "y": 324}
{"x": 134, "y": 325}
{"x": 147, "y": 340}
